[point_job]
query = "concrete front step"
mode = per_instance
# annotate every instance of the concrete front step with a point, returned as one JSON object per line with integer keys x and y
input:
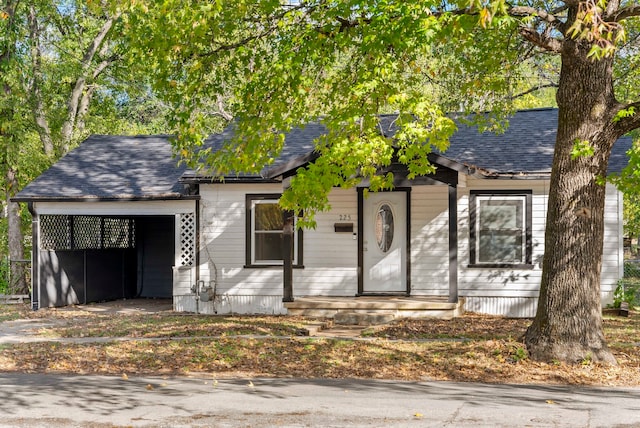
{"x": 363, "y": 318}
{"x": 398, "y": 307}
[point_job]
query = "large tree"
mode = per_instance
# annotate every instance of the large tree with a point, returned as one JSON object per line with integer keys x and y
{"x": 345, "y": 61}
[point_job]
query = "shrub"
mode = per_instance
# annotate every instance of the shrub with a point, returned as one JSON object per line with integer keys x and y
{"x": 628, "y": 289}
{"x": 4, "y": 270}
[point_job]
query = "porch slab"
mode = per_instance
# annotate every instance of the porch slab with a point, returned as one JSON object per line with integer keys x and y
{"x": 394, "y": 306}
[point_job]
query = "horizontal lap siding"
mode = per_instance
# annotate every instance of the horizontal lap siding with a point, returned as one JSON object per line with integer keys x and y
{"x": 329, "y": 258}
{"x": 511, "y": 292}
{"x": 514, "y": 292}
{"x": 612, "y": 261}
{"x": 222, "y": 255}
{"x": 497, "y": 281}
{"x": 430, "y": 240}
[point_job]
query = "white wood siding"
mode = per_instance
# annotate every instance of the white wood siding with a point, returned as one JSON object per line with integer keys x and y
{"x": 502, "y": 291}
{"x": 430, "y": 240}
{"x": 514, "y": 292}
{"x": 329, "y": 258}
{"x": 500, "y": 281}
{"x": 613, "y": 255}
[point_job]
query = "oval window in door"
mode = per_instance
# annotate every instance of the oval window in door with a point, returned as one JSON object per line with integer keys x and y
{"x": 384, "y": 227}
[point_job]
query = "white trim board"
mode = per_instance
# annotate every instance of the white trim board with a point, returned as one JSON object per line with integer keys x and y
{"x": 127, "y": 208}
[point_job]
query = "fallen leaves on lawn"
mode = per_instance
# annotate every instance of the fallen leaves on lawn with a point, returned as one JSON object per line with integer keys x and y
{"x": 328, "y": 358}
{"x": 469, "y": 348}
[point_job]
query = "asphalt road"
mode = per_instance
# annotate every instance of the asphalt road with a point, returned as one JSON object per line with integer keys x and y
{"x": 36, "y": 400}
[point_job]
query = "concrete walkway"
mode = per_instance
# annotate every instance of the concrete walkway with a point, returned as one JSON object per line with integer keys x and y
{"x": 36, "y": 400}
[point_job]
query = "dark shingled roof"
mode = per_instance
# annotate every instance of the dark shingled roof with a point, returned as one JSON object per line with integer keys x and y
{"x": 526, "y": 146}
{"x": 114, "y": 167}
{"x": 299, "y": 143}
{"x": 111, "y": 167}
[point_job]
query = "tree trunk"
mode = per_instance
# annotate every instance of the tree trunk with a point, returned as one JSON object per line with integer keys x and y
{"x": 73, "y": 103}
{"x": 42, "y": 124}
{"x": 568, "y": 322}
{"x": 18, "y": 283}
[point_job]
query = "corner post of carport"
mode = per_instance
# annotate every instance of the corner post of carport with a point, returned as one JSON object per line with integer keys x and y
{"x": 35, "y": 248}
{"x": 453, "y": 243}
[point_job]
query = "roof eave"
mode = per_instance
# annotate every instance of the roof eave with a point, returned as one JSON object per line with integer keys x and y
{"x": 124, "y": 198}
{"x": 289, "y": 168}
{"x": 210, "y": 179}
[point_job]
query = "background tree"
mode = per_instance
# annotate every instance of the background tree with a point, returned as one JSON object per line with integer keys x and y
{"x": 345, "y": 61}
{"x": 63, "y": 79}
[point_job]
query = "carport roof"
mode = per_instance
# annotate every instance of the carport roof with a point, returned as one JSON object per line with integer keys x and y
{"x": 111, "y": 167}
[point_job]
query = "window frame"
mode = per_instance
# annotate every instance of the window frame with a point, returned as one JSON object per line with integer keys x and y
{"x": 251, "y": 200}
{"x": 475, "y": 197}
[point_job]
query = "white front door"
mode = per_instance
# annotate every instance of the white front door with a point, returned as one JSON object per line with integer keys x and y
{"x": 384, "y": 243}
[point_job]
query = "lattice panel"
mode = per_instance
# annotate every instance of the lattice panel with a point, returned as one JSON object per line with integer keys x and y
{"x": 54, "y": 232}
{"x": 64, "y": 232}
{"x": 87, "y": 233}
{"x": 117, "y": 233}
{"x": 187, "y": 239}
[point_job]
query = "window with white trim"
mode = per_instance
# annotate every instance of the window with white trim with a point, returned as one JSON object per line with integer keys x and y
{"x": 265, "y": 221}
{"x": 500, "y": 229}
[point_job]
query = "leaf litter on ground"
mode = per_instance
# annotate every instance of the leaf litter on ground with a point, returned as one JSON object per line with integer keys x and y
{"x": 469, "y": 348}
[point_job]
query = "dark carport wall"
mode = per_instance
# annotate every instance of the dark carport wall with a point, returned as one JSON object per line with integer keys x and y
{"x": 89, "y": 258}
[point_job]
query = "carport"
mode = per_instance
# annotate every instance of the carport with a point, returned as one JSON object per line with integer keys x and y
{"x": 111, "y": 220}
{"x": 85, "y": 258}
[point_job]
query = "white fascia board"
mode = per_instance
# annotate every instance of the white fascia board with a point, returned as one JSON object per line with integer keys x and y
{"x": 123, "y": 208}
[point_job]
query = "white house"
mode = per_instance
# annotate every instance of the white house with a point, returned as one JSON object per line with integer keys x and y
{"x": 116, "y": 218}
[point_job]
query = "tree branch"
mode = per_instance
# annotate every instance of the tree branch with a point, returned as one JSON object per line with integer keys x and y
{"x": 524, "y": 11}
{"x": 624, "y": 13}
{"x": 628, "y": 124}
{"x": 535, "y": 88}
{"x": 543, "y": 41}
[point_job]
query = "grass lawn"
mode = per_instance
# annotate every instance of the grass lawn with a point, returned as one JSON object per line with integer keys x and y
{"x": 470, "y": 348}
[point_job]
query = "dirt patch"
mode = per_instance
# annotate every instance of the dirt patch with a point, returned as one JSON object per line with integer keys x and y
{"x": 131, "y": 306}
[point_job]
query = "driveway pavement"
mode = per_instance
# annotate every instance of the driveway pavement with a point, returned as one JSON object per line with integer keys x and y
{"x": 36, "y": 400}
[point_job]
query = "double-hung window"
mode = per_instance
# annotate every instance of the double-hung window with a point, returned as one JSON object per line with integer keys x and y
{"x": 500, "y": 228}
{"x": 265, "y": 221}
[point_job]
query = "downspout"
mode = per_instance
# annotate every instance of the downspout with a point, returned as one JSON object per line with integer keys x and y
{"x": 35, "y": 248}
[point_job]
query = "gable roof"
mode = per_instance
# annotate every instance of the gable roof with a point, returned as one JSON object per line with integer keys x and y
{"x": 111, "y": 167}
{"x": 525, "y": 149}
{"x": 142, "y": 167}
